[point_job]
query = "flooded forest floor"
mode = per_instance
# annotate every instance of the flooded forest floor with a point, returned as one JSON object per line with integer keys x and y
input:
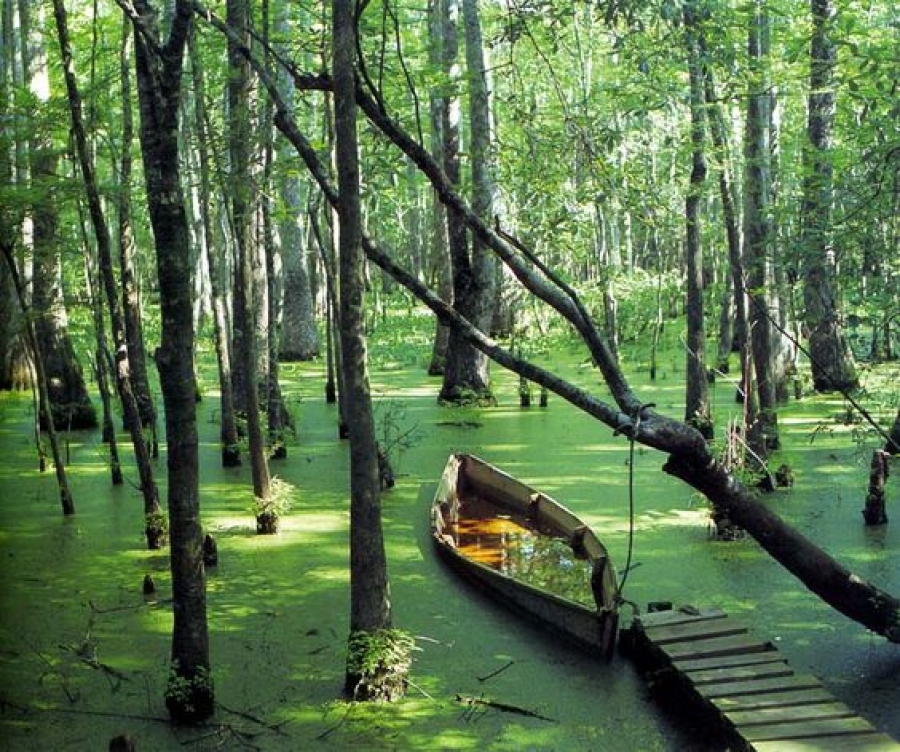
{"x": 85, "y": 654}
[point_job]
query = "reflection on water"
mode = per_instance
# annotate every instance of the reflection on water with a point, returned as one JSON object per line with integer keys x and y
{"x": 514, "y": 545}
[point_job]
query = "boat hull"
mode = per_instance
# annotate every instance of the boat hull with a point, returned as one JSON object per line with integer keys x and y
{"x": 465, "y": 476}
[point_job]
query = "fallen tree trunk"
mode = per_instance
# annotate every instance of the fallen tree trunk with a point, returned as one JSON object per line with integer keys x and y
{"x": 689, "y": 456}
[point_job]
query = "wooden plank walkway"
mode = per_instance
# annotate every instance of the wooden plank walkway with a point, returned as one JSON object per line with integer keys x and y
{"x": 745, "y": 686}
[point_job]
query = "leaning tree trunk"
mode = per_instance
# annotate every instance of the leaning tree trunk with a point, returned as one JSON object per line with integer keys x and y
{"x": 62, "y": 480}
{"x": 131, "y": 297}
{"x": 370, "y": 606}
{"x": 154, "y": 526}
{"x": 189, "y": 695}
{"x": 829, "y": 355}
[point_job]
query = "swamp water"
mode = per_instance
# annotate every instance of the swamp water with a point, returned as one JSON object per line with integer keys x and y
{"x": 84, "y": 654}
{"x": 510, "y": 544}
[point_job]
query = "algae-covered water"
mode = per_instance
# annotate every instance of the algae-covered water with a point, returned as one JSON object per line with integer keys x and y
{"x": 84, "y": 653}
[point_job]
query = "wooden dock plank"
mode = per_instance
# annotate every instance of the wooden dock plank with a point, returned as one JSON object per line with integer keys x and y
{"x": 662, "y": 618}
{"x": 727, "y": 671}
{"x": 872, "y": 742}
{"x": 783, "y": 714}
{"x": 694, "y": 630}
{"x": 735, "y": 661}
{"x": 806, "y": 729}
{"x": 783, "y": 699}
{"x": 760, "y": 686}
{"x": 716, "y": 646}
{"x": 739, "y": 673}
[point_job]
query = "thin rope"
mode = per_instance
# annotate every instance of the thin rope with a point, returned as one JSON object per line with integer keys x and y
{"x": 627, "y": 570}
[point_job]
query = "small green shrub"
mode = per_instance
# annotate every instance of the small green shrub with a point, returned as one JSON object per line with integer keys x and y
{"x": 378, "y": 664}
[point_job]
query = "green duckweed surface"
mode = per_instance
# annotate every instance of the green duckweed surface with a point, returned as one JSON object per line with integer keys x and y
{"x": 84, "y": 654}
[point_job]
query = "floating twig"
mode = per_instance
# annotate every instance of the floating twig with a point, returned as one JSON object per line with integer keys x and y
{"x": 495, "y": 673}
{"x": 503, "y": 707}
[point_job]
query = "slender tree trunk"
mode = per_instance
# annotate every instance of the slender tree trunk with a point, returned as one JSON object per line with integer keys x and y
{"x": 370, "y": 605}
{"x": 102, "y": 357}
{"x": 62, "y": 481}
{"x": 763, "y": 435}
{"x": 441, "y": 273}
{"x": 829, "y": 355}
{"x": 218, "y": 273}
{"x": 245, "y": 299}
{"x": 892, "y": 445}
{"x": 131, "y": 298}
{"x": 697, "y": 409}
{"x": 154, "y": 527}
{"x": 189, "y": 695}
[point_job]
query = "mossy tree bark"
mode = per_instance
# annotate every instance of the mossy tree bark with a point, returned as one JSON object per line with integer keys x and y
{"x": 159, "y": 76}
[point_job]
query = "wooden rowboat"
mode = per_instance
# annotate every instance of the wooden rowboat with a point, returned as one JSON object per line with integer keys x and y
{"x": 526, "y": 549}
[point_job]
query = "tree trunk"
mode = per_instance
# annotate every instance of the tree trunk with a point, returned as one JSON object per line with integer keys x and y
{"x": 299, "y": 335}
{"x": 829, "y": 355}
{"x": 189, "y": 695}
{"x": 102, "y": 357}
{"x": 697, "y": 409}
{"x": 154, "y": 528}
{"x": 246, "y": 298}
{"x": 892, "y": 445}
{"x": 131, "y": 298}
{"x": 763, "y": 435}
{"x": 370, "y": 606}
{"x": 69, "y": 400}
{"x": 441, "y": 275}
{"x": 62, "y": 481}
{"x": 466, "y": 371}
{"x": 15, "y": 373}
{"x": 218, "y": 273}
{"x": 719, "y": 137}
{"x": 874, "y": 512}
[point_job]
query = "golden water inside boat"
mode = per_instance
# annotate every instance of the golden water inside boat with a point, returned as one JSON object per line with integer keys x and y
{"x": 511, "y": 544}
